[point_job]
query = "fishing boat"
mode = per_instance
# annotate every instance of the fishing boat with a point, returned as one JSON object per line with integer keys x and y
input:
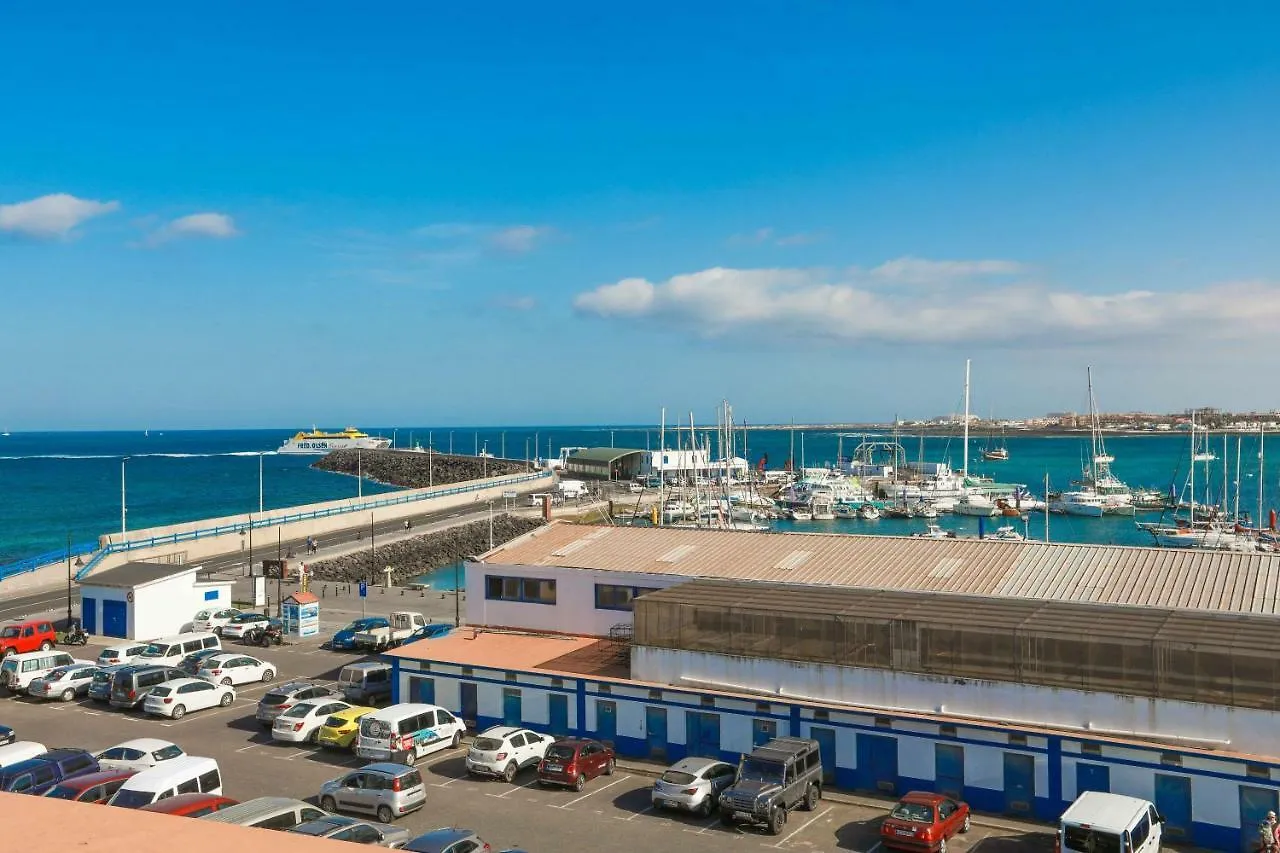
{"x": 996, "y": 453}
{"x": 933, "y": 531}
{"x": 319, "y": 442}
{"x": 1007, "y": 533}
{"x": 844, "y": 510}
{"x": 974, "y": 504}
{"x": 923, "y": 509}
{"x": 868, "y": 512}
{"x": 1080, "y": 502}
{"x": 800, "y": 514}
{"x": 822, "y": 508}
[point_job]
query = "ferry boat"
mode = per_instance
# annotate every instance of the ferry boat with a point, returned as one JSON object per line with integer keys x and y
{"x": 319, "y": 442}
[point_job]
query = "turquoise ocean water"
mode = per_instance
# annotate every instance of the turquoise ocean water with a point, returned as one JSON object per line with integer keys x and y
{"x": 55, "y": 484}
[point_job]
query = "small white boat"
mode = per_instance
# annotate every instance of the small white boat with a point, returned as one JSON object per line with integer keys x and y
{"x": 933, "y": 531}
{"x": 1006, "y": 533}
{"x": 843, "y": 510}
{"x": 868, "y": 512}
{"x": 822, "y": 508}
{"x": 676, "y": 510}
{"x": 1084, "y": 503}
{"x": 925, "y": 510}
{"x": 976, "y": 505}
{"x": 801, "y": 515}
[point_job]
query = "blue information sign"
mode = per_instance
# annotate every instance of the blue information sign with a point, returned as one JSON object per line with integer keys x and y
{"x": 364, "y": 590}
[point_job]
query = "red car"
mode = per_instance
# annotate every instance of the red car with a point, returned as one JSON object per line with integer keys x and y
{"x": 924, "y": 821}
{"x": 572, "y": 761}
{"x": 90, "y": 788}
{"x": 190, "y": 805}
{"x": 34, "y": 635}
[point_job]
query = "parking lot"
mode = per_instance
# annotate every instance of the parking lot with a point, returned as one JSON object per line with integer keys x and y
{"x": 612, "y": 813}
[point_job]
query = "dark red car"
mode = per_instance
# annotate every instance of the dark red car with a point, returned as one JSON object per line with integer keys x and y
{"x": 90, "y": 788}
{"x": 190, "y": 805}
{"x": 33, "y": 635}
{"x": 572, "y": 761}
{"x": 924, "y": 821}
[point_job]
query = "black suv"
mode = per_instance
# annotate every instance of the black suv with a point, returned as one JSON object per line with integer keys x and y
{"x": 775, "y": 778}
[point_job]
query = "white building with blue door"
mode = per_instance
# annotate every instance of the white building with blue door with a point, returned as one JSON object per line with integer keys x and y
{"x": 142, "y": 601}
{"x": 1013, "y": 675}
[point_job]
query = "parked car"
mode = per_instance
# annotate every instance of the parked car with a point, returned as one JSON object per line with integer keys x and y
{"x": 235, "y": 628}
{"x": 503, "y": 751}
{"x": 345, "y": 638}
{"x": 100, "y": 687}
{"x": 572, "y": 761}
{"x": 924, "y": 821}
{"x": 282, "y": 697}
{"x": 302, "y": 722}
{"x": 214, "y": 620}
{"x": 342, "y": 727}
{"x": 341, "y": 828}
{"x": 126, "y": 653}
{"x": 366, "y": 683}
{"x": 693, "y": 785}
{"x": 33, "y": 635}
{"x": 384, "y": 789}
{"x": 132, "y": 684}
{"x": 191, "y": 663}
{"x": 181, "y": 695}
{"x": 39, "y": 774}
{"x": 447, "y": 840}
{"x": 190, "y": 805}
{"x": 65, "y": 682}
{"x": 431, "y": 631}
{"x": 230, "y": 668}
{"x": 7, "y": 736}
{"x": 778, "y": 776}
{"x": 91, "y": 787}
{"x": 139, "y": 754}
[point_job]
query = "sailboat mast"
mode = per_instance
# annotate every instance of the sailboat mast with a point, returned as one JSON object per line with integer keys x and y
{"x": 1093, "y": 430}
{"x": 964, "y": 468}
{"x": 1046, "y": 509}
{"x": 1192, "y": 484}
{"x": 1262, "y": 450}
{"x": 1235, "y": 512}
{"x": 1225, "y": 466}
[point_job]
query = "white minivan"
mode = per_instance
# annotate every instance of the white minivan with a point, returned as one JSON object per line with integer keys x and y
{"x": 1100, "y": 821}
{"x": 406, "y": 732}
{"x": 188, "y": 774}
{"x": 169, "y": 651}
{"x": 18, "y": 671}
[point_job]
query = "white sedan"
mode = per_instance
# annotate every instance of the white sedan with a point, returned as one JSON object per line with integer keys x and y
{"x": 214, "y": 620}
{"x": 231, "y": 668}
{"x": 243, "y": 622}
{"x": 302, "y": 722}
{"x": 175, "y": 698}
{"x": 138, "y": 754}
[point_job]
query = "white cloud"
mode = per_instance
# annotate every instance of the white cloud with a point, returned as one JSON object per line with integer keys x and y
{"x": 447, "y": 230}
{"x": 219, "y": 226}
{"x": 760, "y": 236}
{"x": 965, "y": 307}
{"x": 519, "y": 238}
{"x": 51, "y": 216}
{"x": 518, "y": 303}
{"x": 751, "y": 238}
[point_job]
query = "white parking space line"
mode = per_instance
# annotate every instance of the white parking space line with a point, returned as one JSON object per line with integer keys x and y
{"x": 875, "y": 848}
{"x": 511, "y": 789}
{"x": 708, "y": 826}
{"x": 590, "y": 793}
{"x": 808, "y": 823}
{"x": 635, "y": 815}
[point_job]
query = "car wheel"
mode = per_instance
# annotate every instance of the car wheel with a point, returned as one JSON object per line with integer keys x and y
{"x": 45, "y": 646}
{"x": 178, "y": 712}
{"x": 580, "y": 782}
{"x": 314, "y": 737}
{"x": 777, "y": 821}
{"x": 328, "y": 804}
{"x": 226, "y": 700}
{"x": 942, "y": 845}
{"x": 707, "y": 805}
{"x": 68, "y": 695}
{"x": 226, "y": 682}
{"x": 385, "y": 815}
{"x": 610, "y": 767}
{"x": 267, "y": 675}
{"x": 811, "y": 797}
{"x": 457, "y": 739}
{"x": 509, "y": 772}
{"x": 726, "y": 818}
{"x": 967, "y": 825}
{"x": 217, "y": 631}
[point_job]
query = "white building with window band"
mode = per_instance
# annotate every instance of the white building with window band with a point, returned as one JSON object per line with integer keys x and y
{"x": 141, "y": 601}
{"x": 1012, "y": 675}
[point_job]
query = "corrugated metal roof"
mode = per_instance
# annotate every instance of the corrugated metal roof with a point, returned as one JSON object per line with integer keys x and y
{"x": 602, "y": 455}
{"x": 1097, "y": 574}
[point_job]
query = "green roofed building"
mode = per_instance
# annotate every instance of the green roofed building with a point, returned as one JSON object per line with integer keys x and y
{"x": 605, "y": 463}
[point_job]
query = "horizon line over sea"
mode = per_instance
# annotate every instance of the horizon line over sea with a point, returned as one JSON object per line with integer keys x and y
{"x": 69, "y": 482}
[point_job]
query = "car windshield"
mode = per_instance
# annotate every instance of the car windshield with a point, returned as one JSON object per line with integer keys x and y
{"x": 156, "y": 650}
{"x": 918, "y": 812}
{"x": 160, "y": 691}
{"x": 300, "y": 710}
{"x": 335, "y": 722}
{"x": 245, "y": 617}
{"x": 9, "y": 666}
{"x": 62, "y": 792}
{"x": 350, "y": 676}
{"x": 132, "y": 799}
{"x": 1090, "y": 840}
{"x": 9, "y": 631}
{"x": 487, "y": 744}
{"x": 676, "y": 777}
{"x": 560, "y": 753}
{"x": 274, "y": 699}
{"x": 322, "y": 826}
{"x": 167, "y": 752}
{"x": 755, "y": 770}
{"x": 102, "y": 676}
{"x": 203, "y": 614}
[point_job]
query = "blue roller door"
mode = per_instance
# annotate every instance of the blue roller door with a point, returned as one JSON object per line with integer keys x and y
{"x": 89, "y": 614}
{"x": 115, "y": 619}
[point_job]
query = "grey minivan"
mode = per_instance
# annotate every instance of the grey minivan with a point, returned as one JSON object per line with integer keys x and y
{"x": 130, "y": 685}
{"x": 384, "y": 789}
{"x": 366, "y": 683}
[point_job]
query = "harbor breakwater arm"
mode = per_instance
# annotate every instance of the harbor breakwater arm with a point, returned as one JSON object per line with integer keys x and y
{"x": 417, "y": 555}
{"x": 417, "y": 470}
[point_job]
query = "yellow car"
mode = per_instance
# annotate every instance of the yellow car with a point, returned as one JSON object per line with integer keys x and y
{"x": 340, "y": 729}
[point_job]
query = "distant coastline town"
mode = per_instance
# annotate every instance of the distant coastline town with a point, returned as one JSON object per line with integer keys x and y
{"x": 1218, "y": 420}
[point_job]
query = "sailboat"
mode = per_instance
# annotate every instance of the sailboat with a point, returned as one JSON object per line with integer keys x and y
{"x": 1203, "y": 527}
{"x": 1102, "y": 492}
{"x": 993, "y": 453}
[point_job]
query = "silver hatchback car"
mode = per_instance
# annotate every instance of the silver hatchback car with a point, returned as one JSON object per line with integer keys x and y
{"x": 385, "y": 790}
{"x": 693, "y": 785}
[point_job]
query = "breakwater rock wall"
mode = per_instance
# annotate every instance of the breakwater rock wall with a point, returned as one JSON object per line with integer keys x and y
{"x": 417, "y": 470}
{"x": 418, "y": 555}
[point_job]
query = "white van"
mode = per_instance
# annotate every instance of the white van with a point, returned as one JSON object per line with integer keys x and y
{"x": 406, "y": 732}
{"x": 18, "y": 671}
{"x": 20, "y": 751}
{"x": 188, "y": 774}
{"x": 571, "y": 489}
{"x": 267, "y": 813}
{"x": 536, "y": 499}
{"x": 1098, "y": 821}
{"x": 169, "y": 651}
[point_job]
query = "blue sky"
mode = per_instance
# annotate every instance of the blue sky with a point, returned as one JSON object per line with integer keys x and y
{"x": 251, "y": 215}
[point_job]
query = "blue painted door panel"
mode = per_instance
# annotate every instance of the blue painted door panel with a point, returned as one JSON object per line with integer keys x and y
{"x": 655, "y": 731}
{"x": 1173, "y": 801}
{"x": 878, "y": 763}
{"x": 469, "y": 704}
{"x": 948, "y": 766}
{"x": 1254, "y": 805}
{"x": 558, "y": 714}
{"x": 1019, "y": 782}
{"x": 89, "y": 615}
{"x": 115, "y": 619}
{"x": 702, "y": 734}
{"x": 606, "y": 720}
{"x": 1092, "y": 777}
{"x": 512, "y": 710}
{"x": 826, "y": 739}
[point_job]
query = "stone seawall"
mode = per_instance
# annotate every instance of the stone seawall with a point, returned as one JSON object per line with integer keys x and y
{"x": 409, "y": 558}
{"x": 417, "y": 470}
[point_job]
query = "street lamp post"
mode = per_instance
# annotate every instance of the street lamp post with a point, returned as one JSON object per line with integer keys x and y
{"x": 68, "y": 580}
{"x": 123, "y": 502}
{"x": 450, "y": 442}
{"x": 373, "y": 556}
{"x": 504, "y": 445}
{"x": 490, "y": 525}
{"x": 251, "y": 544}
{"x": 457, "y": 596}
{"x": 393, "y": 438}
{"x": 359, "y": 474}
{"x": 259, "y": 481}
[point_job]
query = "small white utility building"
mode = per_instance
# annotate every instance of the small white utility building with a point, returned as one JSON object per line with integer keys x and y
{"x": 142, "y": 601}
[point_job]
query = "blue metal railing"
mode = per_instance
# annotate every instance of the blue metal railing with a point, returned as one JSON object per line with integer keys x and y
{"x": 273, "y": 520}
{"x": 30, "y": 564}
